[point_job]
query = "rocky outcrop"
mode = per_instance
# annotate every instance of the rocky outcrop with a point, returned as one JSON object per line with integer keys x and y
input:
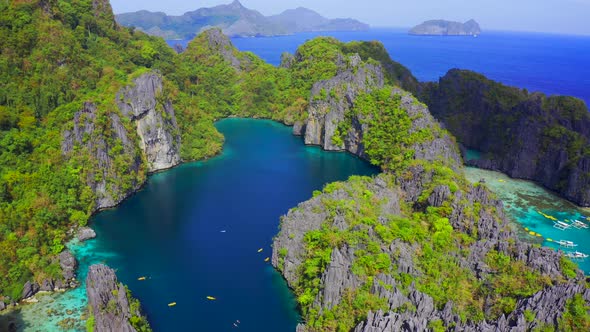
{"x": 525, "y": 135}
{"x": 447, "y": 28}
{"x": 68, "y": 264}
{"x": 219, "y": 43}
{"x": 489, "y": 227}
{"x": 332, "y": 103}
{"x": 154, "y": 119}
{"x": 98, "y": 136}
{"x": 30, "y": 289}
{"x": 85, "y": 233}
{"x": 2, "y": 306}
{"x": 332, "y": 99}
{"x": 108, "y": 301}
{"x": 117, "y": 154}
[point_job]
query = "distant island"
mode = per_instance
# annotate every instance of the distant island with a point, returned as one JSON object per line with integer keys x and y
{"x": 235, "y": 20}
{"x": 447, "y": 28}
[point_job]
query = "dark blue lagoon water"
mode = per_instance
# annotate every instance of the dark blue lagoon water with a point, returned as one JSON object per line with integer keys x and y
{"x": 550, "y": 63}
{"x": 171, "y": 231}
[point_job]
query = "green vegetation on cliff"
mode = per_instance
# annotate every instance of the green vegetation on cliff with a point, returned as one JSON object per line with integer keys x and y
{"x": 59, "y": 55}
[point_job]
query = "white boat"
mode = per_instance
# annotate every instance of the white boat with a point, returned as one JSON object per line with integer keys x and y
{"x": 576, "y": 255}
{"x": 578, "y": 224}
{"x": 567, "y": 244}
{"x": 561, "y": 225}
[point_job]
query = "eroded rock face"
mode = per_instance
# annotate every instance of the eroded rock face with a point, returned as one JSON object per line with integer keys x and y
{"x": 30, "y": 289}
{"x": 155, "y": 121}
{"x": 2, "y": 306}
{"x": 68, "y": 264}
{"x": 92, "y": 134}
{"x": 219, "y": 42}
{"x": 492, "y": 233}
{"x": 333, "y": 100}
{"x": 107, "y": 299}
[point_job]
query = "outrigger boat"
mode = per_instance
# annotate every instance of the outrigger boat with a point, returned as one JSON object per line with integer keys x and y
{"x": 578, "y": 224}
{"x": 567, "y": 244}
{"x": 561, "y": 225}
{"x": 576, "y": 254}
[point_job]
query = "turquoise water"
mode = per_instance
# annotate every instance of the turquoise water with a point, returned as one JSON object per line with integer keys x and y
{"x": 523, "y": 200}
{"x": 195, "y": 231}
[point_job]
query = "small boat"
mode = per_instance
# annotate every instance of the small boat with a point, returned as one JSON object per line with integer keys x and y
{"x": 501, "y": 180}
{"x": 141, "y": 278}
{"x": 561, "y": 225}
{"x": 576, "y": 255}
{"x": 266, "y": 259}
{"x": 211, "y": 298}
{"x": 578, "y": 224}
{"x": 567, "y": 244}
{"x": 172, "y": 304}
{"x": 235, "y": 325}
{"x": 260, "y": 250}
{"x": 223, "y": 231}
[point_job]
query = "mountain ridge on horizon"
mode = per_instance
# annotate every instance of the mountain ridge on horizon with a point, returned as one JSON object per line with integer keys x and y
{"x": 235, "y": 20}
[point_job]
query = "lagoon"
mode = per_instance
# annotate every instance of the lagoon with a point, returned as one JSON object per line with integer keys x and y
{"x": 195, "y": 231}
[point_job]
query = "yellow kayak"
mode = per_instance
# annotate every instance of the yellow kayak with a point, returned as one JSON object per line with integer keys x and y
{"x": 267, "y": 259}
{"x": 141, "y": 278}
{"x": 172, "y": 304}
{"x": 260, "y": 250}
{"x": 211, "y": 298}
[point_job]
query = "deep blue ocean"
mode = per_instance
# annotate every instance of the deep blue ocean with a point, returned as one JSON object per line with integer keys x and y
{"x": 550, "y": 63}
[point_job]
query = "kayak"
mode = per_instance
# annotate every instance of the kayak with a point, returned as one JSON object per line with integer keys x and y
{"x": 172, "y": 304}
{"x": 211, "y": 298}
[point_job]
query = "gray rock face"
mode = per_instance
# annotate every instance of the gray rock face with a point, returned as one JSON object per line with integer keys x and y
{"x": 108, "y": 300}
{"x": 493, "y": 233}
{"x": 332, "y": 99}
{"x": 85, "y": 233}
{"x": 220, "y": 43}
{"x": 154, "y": 119}
{"x": 2, "y": 306}
{"x": 68, "y": 264}
{"x": 447, "y": 28}
{"x": 48, "y": 285}
{"x": 88, "y": 134}
{"x": 30, "y": 289}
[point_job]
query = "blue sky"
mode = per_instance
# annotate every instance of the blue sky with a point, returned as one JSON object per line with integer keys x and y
{"x": 558, "y": 16}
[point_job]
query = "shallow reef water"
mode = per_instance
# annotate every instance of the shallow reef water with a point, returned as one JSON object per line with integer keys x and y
{"x": 526, "y": 203}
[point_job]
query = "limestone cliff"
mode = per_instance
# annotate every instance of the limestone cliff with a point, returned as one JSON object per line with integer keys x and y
{"x": 331, "y": 108}
{"x": 103, "y": 139}
{"x": 117, "y": 154}
{"x": 407, "y": 306}
{"x": 109, "y": 302}
{"x": 526, "y": 135}
{"x": 155, "y": 120}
